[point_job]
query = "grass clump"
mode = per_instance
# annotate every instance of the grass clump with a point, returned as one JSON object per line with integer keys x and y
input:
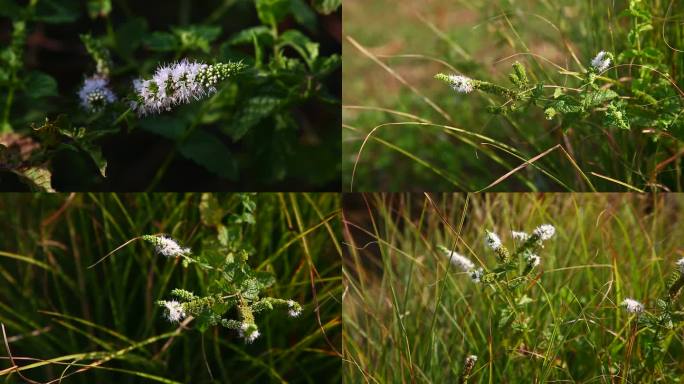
{"x": 590, "y": 292}
{"x": 223, "y": 288}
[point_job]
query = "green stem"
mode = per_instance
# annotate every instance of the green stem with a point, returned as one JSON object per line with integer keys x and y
{"x": 6, "y": 127}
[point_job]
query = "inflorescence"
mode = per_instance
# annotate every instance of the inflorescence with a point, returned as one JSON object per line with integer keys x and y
{"x": 633, "y": 306}
{"x": 601, "y": 62}
{"x": 188, "y": 304}
{"x": 166, "y": 246}
{"x": 525, "y": 251}
{"x": 95, "y": 93}
{"x": 179, "y": 83}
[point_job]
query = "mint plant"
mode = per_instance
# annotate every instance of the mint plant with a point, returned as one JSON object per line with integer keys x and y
{"x": 630, "y": 91}
{"x": 234, "y": 298}
{"x": 505, "y": 281}
{"x": 656, "y": 328}
{"x": 222, "y": 92}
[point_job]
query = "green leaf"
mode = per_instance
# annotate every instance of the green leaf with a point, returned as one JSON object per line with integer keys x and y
{"x": 162, "y": 41}
{"x": 39, "y": 84}
{"x": 599, "y": 97}
{"x": 57, "y": 11}
{"x": 301, "y": 43}
{"x": 252, "y": 112}
{"x": 264, "y": 279}
{"x": 566, "y": 104}
{"x": 211, "y": 212}
{"x": 208, "y": 151}
{"x": 327, "y": 7}
{"x": 99, "y": 8}
{"x": 197, "y": 36}
{"x": 250, "y": 289}
{"x": 323, "y": 66}
{"x": 247, "y": 36}
{"x": 272, "y": 12}
{"x": 168, "y": 127}
{"x": 303, "y": 14}
{"x": 95, "y": 153}
{"x": 129, "y": 36}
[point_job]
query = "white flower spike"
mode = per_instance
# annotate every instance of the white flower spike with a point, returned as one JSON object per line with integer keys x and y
{"x": 95, "y": 94}
{"x": 168, "y": 247}
{"x": 544, "y": 232}
{"x": 533, "y": 260}
{"x": 460, "y": 261}
{"x": 520, "y": 236}
{"x": 461, "y": 84}
{"x": 174, "y": 311}
{"x": 601, "y": 62}
{"x": 492, "y": 240}
{"x": 179, "y": 83}
{"x": 476, "y": 275}
{"x": 249, "y": 332}
{"x": 632, "y": 306}
{"x": 295, "y": 309}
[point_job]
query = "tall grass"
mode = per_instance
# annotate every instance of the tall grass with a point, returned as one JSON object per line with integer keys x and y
{"x": 398, "y": 120}
{"x": 101, "y": 325}
{"x": 411, "y": 317}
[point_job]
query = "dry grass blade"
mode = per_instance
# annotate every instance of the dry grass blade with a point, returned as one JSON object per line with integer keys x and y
{"x": 398, "y": 77}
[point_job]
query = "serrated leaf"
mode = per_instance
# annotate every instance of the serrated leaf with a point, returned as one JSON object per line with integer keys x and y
{"x": 251, "y": 113}
{"x": 272, "y": 11}
{"x": 39, "y": 84}
{"x": 208, "y": 151}
{"x": 566, "y": 104}
{"x": 250, "y": 289}
{"x": 197, "y": 36}
{"x": 599, "y": 97}
{"x": 247, "y": 36}
{"x": 300, "y": 43}
{"x": 264, "y": 279}
{"x": 162, "y": 41}
{"x": 323, "y": 66}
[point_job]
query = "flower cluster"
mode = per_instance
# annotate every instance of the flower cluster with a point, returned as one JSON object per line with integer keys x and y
{"x": 295, "y": 309}
{"x": 520, "y": 236}
{"x": 461, "y": 84}
{"x": 179, "y": 83}
{"x": 632, "y": 306}
{"x": 464, "y": 264}
{"x": 166, "y": 246}
{"x": 95, "y": 93}
{"x": 544, "y": 232}
{"x": 249, "y": 332}
{"x": 601, "y": 62}
{"x": 492, "y": 240}
{"x": 174, "y": 311}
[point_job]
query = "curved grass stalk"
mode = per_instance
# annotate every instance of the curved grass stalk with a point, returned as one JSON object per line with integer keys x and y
{"x": 399, "y": 78}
